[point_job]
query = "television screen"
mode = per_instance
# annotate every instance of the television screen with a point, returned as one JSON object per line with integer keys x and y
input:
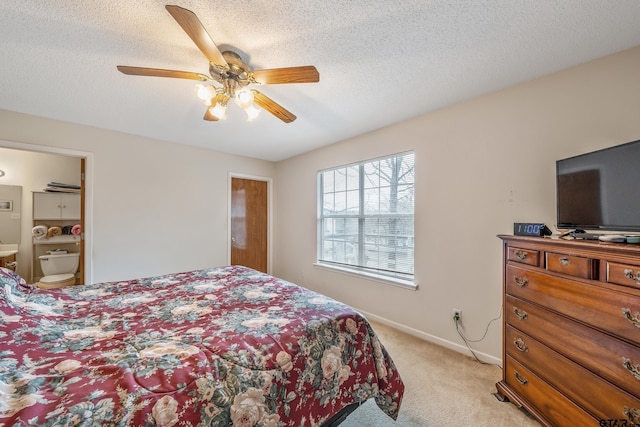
{"x": 600, "y": 190}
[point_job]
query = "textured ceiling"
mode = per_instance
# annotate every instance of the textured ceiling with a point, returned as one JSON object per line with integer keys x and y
{"x": 380, "y": 61}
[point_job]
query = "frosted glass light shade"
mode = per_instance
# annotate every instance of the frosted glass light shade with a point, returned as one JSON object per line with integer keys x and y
{"x": 205, "y": 93}
{"x": 218, "y": 110}
{"x": 244, "y": 98}
{"x": 252, "y": 112}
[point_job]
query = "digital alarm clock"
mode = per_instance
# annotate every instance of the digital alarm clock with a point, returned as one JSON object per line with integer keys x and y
{"x": 531, "y": 229}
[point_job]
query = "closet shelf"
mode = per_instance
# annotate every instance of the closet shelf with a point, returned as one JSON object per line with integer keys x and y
{"x": 57, "y": 240}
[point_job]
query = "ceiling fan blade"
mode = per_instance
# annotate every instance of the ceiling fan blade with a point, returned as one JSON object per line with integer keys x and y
{"x": 158, "y": 72}
{"x": 196, "y": 31}
{"x": 273, "y": 107}
{"x": 209, "y": 116}
{"x": 305, "y": 74}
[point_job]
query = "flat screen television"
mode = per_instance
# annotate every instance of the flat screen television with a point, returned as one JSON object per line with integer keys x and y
{"x": 600, "y": 190}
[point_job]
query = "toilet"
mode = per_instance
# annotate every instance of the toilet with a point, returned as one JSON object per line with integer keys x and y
{"x": 59, "y": 270}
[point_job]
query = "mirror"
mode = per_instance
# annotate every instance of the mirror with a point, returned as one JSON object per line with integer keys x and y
{"x": 10, "y": 213}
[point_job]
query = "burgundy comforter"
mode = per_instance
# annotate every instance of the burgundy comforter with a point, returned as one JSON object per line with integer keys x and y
{"x": 223, "y": 346}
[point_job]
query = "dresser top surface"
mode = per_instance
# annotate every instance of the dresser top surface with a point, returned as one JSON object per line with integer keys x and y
{"x": 573, "y": 245}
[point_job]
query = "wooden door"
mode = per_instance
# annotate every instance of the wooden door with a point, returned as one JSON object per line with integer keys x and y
{"x": 81, "y": 270}
{"x": 249, "y": 223}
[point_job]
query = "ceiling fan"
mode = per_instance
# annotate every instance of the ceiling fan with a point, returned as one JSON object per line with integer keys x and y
{"x": 229, "y": 75}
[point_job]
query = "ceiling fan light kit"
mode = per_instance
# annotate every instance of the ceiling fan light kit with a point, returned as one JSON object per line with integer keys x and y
{"x": 205, "y": 93}
{"x": 229, "y": 75}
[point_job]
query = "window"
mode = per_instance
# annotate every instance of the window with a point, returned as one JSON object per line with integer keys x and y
{"x": 365, "y": 217}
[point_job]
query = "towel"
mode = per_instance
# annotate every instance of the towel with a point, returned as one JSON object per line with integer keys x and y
{"x": 75, "y": 230}
{"x": 39, "y": 231}
{"x": 66, "y": 230}
{"x": 53, "y": 232}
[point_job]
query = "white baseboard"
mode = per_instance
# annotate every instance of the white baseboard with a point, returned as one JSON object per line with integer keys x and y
{"x": 487, "y": 358}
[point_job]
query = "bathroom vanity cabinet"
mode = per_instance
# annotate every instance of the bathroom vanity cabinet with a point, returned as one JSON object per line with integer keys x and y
{"x": 8, "y": 262}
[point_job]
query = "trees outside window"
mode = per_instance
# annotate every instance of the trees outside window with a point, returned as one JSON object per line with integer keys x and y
{"x": 365, "y": 220}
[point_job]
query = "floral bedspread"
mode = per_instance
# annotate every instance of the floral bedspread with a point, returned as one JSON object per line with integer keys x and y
{"x": 225, "y": 346}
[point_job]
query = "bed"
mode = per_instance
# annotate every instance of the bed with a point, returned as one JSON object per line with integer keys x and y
{"x": 226, "y": 346}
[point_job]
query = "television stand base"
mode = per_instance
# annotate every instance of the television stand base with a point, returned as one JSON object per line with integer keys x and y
{"x": 581, "y": 234}
{"x": 585, "y": 236}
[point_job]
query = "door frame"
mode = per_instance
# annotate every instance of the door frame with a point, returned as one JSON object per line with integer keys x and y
{"x": 88, "y": 193}
{"x": 269, "y": 182}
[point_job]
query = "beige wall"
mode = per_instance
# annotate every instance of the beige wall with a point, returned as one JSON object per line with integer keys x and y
{"x": 156, "y": 207}
{"x": 480, "y": 166}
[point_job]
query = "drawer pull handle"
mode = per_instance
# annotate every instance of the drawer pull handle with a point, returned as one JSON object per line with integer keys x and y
{"x": 633, "y": 318}
{"x": 520, "y": 255}
{"x": 629, "y": 366}
{"x": 632, "y": 414}
{"x": 520, "y": 345}
{"x": 521, "y": 281}
{"x": 630, "y": 274}
{"x": 520, "y": 314}
{"x": 522, "y": 380}
{"x": 565, "y": 261}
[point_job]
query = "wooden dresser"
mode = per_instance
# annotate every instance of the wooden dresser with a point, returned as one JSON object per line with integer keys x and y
{"x": 571, "y": 331}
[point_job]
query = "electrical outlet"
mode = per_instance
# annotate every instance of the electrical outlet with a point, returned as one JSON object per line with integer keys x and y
{"x": 457, "y": 314}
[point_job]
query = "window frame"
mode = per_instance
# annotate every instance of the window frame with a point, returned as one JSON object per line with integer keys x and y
{"x": 406, "y": 280}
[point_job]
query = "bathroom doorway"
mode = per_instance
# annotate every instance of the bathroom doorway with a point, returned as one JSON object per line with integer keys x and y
{"x": 32, "y": 167}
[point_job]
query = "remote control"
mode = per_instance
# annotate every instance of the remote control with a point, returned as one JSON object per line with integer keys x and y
{"x": 616, "y": 238}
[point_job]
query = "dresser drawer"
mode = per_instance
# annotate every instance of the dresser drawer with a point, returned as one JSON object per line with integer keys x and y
{"x": 609, "y": 357}
{"x": 576, "y": 266}
{"x": 552, "y": 405}
{"x": 623, "y": 274}
{"x": 524, "y": 256}
{"x": 615, "y": 312}
{"x": 597, "y": 396}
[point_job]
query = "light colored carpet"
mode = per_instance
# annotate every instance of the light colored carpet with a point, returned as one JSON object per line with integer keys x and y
{"x": 442, "y": 388}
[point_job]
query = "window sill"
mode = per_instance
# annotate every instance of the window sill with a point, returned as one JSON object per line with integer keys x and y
{"x": 405, "y": 284}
